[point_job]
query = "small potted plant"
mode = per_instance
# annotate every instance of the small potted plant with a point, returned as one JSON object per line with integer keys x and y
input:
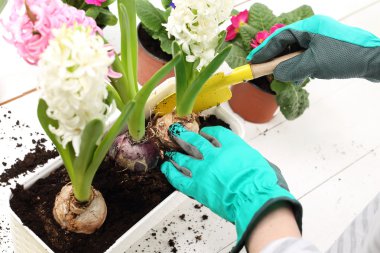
{"x": 97, "y": 9}
{"x": 257, "y": 100}
{"x": 155, "y": 46}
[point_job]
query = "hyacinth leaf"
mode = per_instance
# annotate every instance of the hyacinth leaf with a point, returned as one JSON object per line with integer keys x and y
{"x": 292, "y": 99}
{"x": 149, "y": 15}
{"x": 93, "y": 12}
{"x": 261, "y": 17}
{"x": 66, "y": 154}
{"x": 136, "y": 123}
{"x": 237, "y": 57}
{"x": 89, "y": 138}
{"x": 185, "y": 106}
{"x": 300, "y": 13}
{"x": 2, "y": 4}
{"x": 246, "y": 32}
{"x": 114, "y": 96}
{"x": 180, "y": 73}
{"x": 127, "y": 16}
{"x": 106, "y": 17}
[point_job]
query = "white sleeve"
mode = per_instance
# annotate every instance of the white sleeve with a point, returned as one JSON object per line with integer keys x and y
{"x": 290, "y": 245}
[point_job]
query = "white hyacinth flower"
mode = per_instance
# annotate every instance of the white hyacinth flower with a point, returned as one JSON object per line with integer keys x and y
{"x": 72, "y": 82}
{"x": 195, "y": 26}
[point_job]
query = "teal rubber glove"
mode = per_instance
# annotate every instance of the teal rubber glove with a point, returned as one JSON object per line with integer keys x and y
{"x": 221, "y": 171}
{"x": 332, "y": 50}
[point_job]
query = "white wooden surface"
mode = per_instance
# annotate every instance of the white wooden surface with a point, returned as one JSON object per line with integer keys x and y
{"x": 330, "y": 156}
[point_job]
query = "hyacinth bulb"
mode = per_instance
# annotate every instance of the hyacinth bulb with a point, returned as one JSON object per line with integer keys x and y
{"x": 134, "y": 156}
{"x": 84, "y": 218}
{"x": 162, "y": 124}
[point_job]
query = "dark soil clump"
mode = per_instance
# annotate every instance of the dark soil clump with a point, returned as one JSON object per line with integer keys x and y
{"x": 38, "y": 156}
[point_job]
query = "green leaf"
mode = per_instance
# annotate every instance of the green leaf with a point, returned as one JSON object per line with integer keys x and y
{"x": 136, "y": 123}
{"x": 106, "y": 17}
{"x": 185, "y": 106}
{"x": 114, "y": 96}
{"x": 90, "y": 136}
{"x": 237, "y": 57}
{"x": 165, "y": 41}
{"x": 106, "y": 143}
{"x": 149, "y": 15}
{"x": 67, "y": 154}
{"x": 93, "y": 12}
{"x": 180, "y": 72}
{"x": 300, "y": 13}
{"x": 234, "y": 12}
{"x": 108, "y": 3}
{"x": 166, "y": 3}
{"x": 247, "y": 33}
{"x": 261, "y": 17}
{"x": 127, "y": 16}
{"x": 292, "y": 99}
{"x": 221, "y": 40}
{"x": 2, "y": 4}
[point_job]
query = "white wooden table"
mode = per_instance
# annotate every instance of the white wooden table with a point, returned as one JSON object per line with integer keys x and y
{"x": 330, "y": 156}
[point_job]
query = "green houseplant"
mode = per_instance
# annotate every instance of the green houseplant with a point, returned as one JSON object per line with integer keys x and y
{"x": 97, "y": 9}
{"x": 249, "y": 29}
{"x": 155, "y": 47}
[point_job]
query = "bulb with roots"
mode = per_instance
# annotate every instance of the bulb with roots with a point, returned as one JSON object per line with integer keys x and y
{"x": 74, "y": 216}
{"x": 162, "y": 124}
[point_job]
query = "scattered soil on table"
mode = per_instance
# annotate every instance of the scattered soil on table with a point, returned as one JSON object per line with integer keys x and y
{"x": 129, "y": 197}
{"x": 39, "y": 155}
{"x": 152, "y": 45}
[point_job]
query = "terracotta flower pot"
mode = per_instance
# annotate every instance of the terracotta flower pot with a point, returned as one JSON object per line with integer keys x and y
{"x": 26, "y": 241}
{"x": 150, "y": 57}
{"x": 252, "y": 103}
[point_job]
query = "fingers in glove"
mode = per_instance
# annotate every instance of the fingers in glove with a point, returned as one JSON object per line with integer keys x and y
{"x": 192, "y": 143}
{"x": 297, "y": 68}
{"x": 221, "y": 134}
{"x": 181, "y": 162}
{"x": 175, "y": 178}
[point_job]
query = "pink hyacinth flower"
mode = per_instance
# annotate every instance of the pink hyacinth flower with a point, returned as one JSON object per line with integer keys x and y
{"x": 275, "y": 27}
{"x": 95, "y": 2}
{"x": 236, "y": 22}
{"x": 260, "y": 37}
{"x": 31, "y": 22}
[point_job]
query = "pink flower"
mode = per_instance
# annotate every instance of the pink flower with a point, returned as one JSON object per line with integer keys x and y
{"x": 261, "y": 36}
{"x": 275, "y": 27}
{"x": 95, "y": 2}
{"x": 31, "y": 23}
{"x": 236, "y": 22}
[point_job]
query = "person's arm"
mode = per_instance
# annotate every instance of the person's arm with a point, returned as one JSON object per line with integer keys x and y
{"x": 224, "y": 173}
{"x": 277, "y": 223}
{"x": 331, "y": 50}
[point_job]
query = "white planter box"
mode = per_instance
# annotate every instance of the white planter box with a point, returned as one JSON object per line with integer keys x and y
{"x": 25, "y": 241}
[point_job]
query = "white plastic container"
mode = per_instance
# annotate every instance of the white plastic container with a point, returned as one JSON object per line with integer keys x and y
{"x": 25, "y": 241}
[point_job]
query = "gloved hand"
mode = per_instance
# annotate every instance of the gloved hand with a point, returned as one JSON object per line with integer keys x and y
{"x": 224, "y": 173}
{"x": 332, "y": 50}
